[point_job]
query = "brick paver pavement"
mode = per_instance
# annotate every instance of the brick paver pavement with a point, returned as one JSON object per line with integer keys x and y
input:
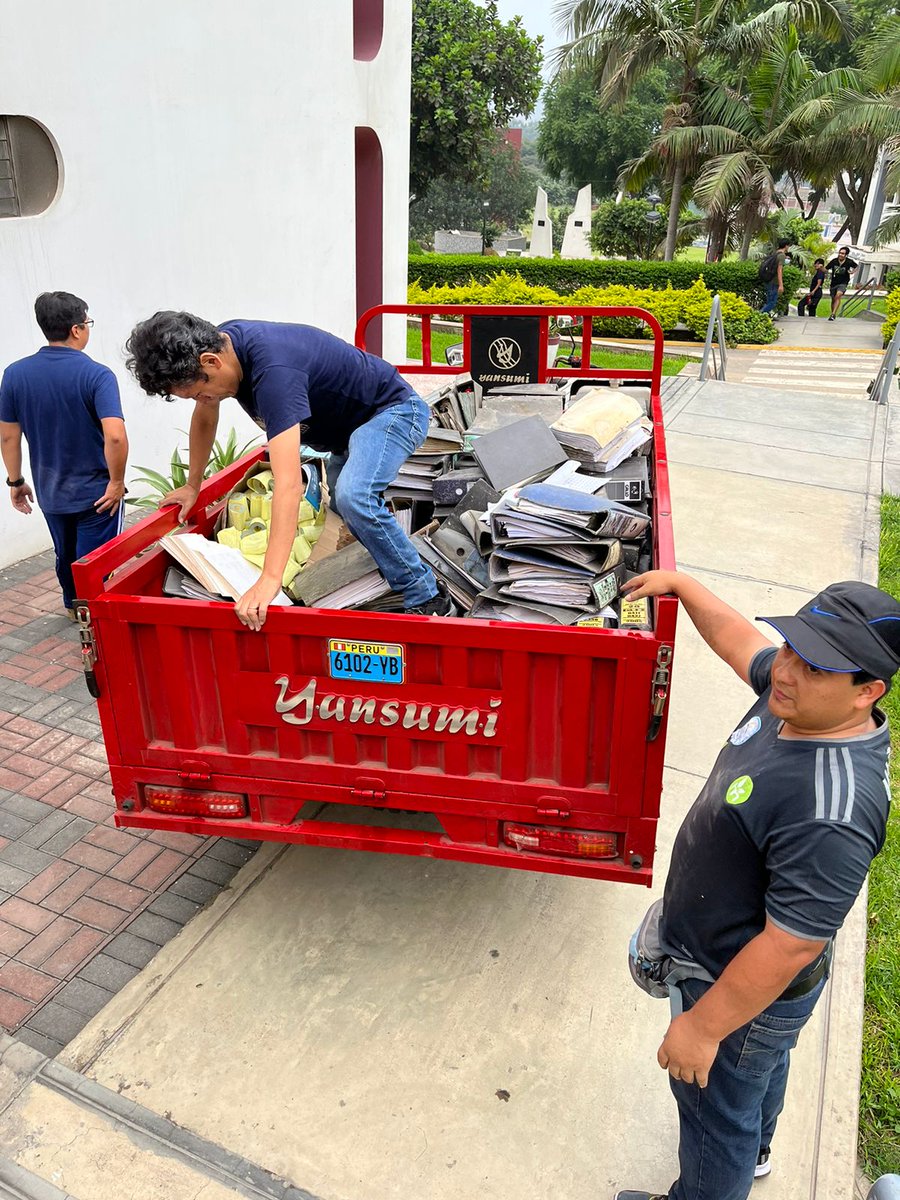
{"x": 83, "y": 905}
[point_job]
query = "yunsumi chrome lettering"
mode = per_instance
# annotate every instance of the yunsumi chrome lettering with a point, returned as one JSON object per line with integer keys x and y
{"x": 300, "y": 708}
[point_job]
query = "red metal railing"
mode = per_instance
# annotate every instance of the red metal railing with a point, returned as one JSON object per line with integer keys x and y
{"x": 586, "y": 314}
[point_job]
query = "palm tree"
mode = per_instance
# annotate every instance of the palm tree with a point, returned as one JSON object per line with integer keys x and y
{"x": 871, "y": 110}
{"x": 623, "y": 39}
{"x": 752, "y": 140}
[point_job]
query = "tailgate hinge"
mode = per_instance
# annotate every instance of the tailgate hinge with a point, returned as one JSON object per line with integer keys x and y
{"x": 367, "y": 796}
{"x": 88, "y": 646}
{"x": 660, "y": 690}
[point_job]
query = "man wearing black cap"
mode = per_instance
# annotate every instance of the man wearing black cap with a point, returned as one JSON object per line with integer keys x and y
{"x": 768, "y": 863}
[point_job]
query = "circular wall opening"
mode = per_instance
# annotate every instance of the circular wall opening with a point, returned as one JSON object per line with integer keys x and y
{"x": 29, "y": 168}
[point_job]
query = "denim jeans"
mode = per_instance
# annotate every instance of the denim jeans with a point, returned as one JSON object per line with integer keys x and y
{"x": 77, "y": 534}
{"x": 357, "y": 481}
{"x": 771, "y": 296}
{"x": 723, "y": 1125}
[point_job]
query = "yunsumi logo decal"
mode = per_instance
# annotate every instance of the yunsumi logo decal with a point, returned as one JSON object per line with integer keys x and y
{"x": 739, "y": 790}
{"x": 746, "y": 731}
{"x": 301, "y": 707}
{"x": 505, "y": 353}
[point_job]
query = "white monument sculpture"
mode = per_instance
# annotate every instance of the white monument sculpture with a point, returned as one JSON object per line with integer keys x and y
{"x": 542, "y": 229}
{"x": 577, "y": 240}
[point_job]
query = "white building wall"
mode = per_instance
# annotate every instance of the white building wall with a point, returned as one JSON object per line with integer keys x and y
{"x": 208, "y": 164}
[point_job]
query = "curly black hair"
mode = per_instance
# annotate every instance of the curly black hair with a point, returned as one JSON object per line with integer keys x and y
{"x": 164, "y": 351}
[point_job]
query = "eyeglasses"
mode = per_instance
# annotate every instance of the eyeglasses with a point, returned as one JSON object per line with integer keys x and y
{"x": 86, "y": 321}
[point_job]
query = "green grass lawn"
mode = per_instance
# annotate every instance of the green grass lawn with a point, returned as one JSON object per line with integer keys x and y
{"x": 878, "y": 305}
{"x": 638, "y": 360}
{"x": 879, "y": 1105}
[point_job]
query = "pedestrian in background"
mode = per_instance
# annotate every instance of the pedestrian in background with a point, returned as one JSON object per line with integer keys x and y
{"x": 771, "y": 273}
{"x": 841, "y": 269}
{"x": 810, "y": 302}
{"x": 67, "y": 407}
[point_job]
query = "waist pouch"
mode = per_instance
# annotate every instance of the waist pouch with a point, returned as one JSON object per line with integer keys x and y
{"x": 653, "y": 969}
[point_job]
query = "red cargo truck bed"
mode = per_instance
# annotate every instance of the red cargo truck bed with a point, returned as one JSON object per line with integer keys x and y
{"x": 528, "y": 746}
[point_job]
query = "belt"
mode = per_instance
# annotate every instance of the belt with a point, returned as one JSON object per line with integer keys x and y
{"x": 816, "y": 973}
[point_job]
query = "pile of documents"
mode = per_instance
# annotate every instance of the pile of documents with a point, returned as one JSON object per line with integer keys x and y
{"x": 522, "y": 515}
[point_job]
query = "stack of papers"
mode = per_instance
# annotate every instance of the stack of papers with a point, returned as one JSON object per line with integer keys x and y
{"x": 219, "y": 569}
{"x": 593, "y": 428}
{"x": 345, "y": 579}
{"x": 416, "y": 477}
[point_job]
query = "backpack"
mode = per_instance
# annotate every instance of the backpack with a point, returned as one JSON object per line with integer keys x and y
{"x": 768, "y": 268}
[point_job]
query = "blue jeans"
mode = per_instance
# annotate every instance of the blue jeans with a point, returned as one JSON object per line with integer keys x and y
{"x": 723, "y": 1125}
{"x": 357, "y": 481}
{"x": 771, "y": 296}
{"x": 76, "y": 534}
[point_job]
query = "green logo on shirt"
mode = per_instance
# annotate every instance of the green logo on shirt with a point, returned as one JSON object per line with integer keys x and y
{"x": 739, "y": 790}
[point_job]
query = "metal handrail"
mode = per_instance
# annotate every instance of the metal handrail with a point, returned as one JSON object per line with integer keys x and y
{"x": 716, "y": 326}
{"x": 881, "y": 384}
{"x": 854, "y": 301}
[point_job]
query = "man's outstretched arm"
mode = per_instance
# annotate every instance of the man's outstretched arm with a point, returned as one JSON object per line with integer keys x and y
{"x": 735, "y": 639}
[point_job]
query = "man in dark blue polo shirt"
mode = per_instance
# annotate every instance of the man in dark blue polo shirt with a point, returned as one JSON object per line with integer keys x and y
{"x": 67, "y": 408}
{"x": 293, "y": 380}
{"x": 768, "y": 863}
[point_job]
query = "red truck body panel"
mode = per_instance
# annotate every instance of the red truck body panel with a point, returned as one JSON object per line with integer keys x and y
{"x": 493, "y": 723}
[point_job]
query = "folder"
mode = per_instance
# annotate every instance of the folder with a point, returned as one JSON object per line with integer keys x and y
{"x": 517, "y": 452}
{"x": 595, "y": 514}
{"x": 342, "y": 580}
{"x": 492, "y": 606}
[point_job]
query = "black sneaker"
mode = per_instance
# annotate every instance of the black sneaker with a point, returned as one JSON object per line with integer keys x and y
{"x": 763, "y": 1166}
{"x": 640, "y": 1196}
{"x": 440, "y": 605}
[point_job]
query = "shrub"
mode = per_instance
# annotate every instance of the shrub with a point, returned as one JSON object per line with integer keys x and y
{"x": 565, "y": 276}
{"x": 892, "y": 280}
{"x": 669, "y": 305}
{"x": 892, "y": 312}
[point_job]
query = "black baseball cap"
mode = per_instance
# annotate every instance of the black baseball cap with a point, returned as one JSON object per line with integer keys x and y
{"x": 850, "y": 626}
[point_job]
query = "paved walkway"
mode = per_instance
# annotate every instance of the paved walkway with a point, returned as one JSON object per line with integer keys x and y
{"x": 399, "y": 1026}
{"x": 813, "y": 356}
{"x": 83, "y": 905}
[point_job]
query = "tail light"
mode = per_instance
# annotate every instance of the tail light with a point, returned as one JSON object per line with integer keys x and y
{"x": 179, "y": 802}
{"x": 576, "y": 843}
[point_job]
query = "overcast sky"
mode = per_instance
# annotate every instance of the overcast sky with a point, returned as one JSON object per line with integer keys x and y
{"x": 537, "y": 17}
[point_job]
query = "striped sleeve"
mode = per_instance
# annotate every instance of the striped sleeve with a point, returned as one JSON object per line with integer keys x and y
{"x": 817, "y": 864}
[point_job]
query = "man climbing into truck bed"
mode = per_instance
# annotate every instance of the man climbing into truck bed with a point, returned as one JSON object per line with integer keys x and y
{"x": 293, "y": 378}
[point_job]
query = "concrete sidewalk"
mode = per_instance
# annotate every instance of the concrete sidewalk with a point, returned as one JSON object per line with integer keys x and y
{"x": 371, "y": 1028}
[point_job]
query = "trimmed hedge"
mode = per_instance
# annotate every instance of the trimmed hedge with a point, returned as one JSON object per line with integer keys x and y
{"x": 565, "y": 276}
{"x": 892, "y": 312}
{"x": 686, "y": 306}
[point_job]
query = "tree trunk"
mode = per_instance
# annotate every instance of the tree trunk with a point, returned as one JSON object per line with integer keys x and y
{"x": 746, "y": 240}
{"x": 674, "y": 211}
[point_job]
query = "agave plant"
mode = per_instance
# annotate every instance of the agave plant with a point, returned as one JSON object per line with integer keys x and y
{"x": 223, "y": 455}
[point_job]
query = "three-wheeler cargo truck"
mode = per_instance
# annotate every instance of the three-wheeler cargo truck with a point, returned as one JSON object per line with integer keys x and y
{"x": 530, "y": 746}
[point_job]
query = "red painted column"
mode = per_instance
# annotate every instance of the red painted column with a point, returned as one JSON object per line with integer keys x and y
{"x": 369, "y": 228}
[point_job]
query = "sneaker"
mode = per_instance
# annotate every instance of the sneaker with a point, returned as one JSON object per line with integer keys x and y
{"x": 763, "y": 1166}
{"x": 640, "y": 1196}
{"x": 831, "y": 318}
{"x": 440, "y": 605}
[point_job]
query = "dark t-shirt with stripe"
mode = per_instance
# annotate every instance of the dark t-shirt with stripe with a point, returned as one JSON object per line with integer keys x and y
{"x": 784, "y": 828}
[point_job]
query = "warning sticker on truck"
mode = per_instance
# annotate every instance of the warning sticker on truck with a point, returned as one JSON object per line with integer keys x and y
{"x": 377, "y": 662}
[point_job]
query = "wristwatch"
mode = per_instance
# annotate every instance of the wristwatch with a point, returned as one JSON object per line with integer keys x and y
{"x": 15, "y": 482}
